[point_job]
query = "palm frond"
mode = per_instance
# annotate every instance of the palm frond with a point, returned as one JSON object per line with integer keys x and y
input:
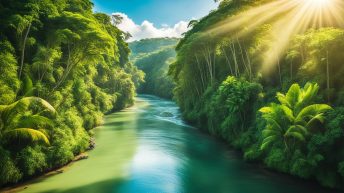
{"x": 296, "y": 135}
{"x": 311, "y": 111}
{"x": 27, "y": 86}
{"x": 41, "y": 102}
{"x": 34, "y": 121}
{"x": 317, "y": 118}
{"x": 274, "y": 122}
{"x": 293, "y": 94}
{"x": 269, "y": 132}
{"x": 267, "y": 141}
{"x": 282, "y": 99}
{"x": 298, "y": 129}
{"x": 8, "y": 111}
{"x": 266, "y": 110}
{"x": 288, "y": 112}
{"x": 307, "y": 95}
{"x": 28, "y": 134}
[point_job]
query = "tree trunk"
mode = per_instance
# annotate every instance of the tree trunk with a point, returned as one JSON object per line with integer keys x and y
{"x": 291, "y": 70}
{"x": 227, "y": 59}
{"x": 201, "y": 72}
{"x": 236, "y": 67}
{"x": 279, "y": 71}
{"x": 242, "y": 56}
{"x": 328, "y": 77}
{"x": 249, "y": 65}
{"x": 23, "y": 50}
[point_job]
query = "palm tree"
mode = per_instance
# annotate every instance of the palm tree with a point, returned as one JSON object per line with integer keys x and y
{"x": 295, "y": 117}
{"x": 25, "y": 119}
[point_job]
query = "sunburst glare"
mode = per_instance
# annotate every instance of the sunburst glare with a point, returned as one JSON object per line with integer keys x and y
{"x": 287, "y": 18}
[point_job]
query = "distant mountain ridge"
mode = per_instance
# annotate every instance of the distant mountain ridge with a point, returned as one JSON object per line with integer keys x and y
{"x": 153, "y": 56}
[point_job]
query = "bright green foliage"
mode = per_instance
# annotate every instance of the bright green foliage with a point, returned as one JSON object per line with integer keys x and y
{"x": 146, "y": 46}
{"x": 61, "y": 52}
{"x": 153, "y": 57}
{"x": 295, "y": 118}
{"x": 22, "y": 120}
{"x": 290, "y": 131}
{"x": 8, "y": 73}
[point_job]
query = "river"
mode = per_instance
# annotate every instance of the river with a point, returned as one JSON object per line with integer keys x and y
{"x": 148, "y": 149}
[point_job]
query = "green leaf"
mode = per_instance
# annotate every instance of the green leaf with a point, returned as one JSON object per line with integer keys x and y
{"x": 267, "y": 141}
{"x": 282, "y": 99}
{"x": 293, "y": 94}
{"x": 296, "y": 135}
{"x": 317, "y": 118}
{"x": 266, "y": 110}
{"x": 312, "y": 111}
{"x": 288, "y": 112}
{"x": 307, "y": 95}
{"x": 22, "y": 105}
{"x": 268, "y": 132}
{"x": 34, "y": 121}
{"x": 298, "y": 129}
{"x": 27, "y": 133}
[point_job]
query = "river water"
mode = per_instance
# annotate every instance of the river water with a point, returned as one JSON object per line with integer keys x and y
{"x": 148, "y": 149}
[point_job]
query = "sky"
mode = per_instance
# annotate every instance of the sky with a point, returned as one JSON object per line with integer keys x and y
{"x": 155, "y": 18}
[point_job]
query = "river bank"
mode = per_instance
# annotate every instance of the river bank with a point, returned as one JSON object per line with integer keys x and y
{"x": 24, "y": 185}
{"x": 148, "y": 148}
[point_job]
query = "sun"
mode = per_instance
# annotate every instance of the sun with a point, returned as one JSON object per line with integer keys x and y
{"x": 287, "y": 18}
{"x": 320, "y": 3}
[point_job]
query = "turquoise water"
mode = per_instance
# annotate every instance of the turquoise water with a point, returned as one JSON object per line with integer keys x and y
{"x": 148, "y": 149}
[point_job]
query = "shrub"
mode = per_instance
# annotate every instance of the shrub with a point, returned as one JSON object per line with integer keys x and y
{"x": 9, "y": 173}
{"x": 31, "y": 160}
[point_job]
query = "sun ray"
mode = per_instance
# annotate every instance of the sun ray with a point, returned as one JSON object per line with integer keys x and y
{"x": 287, "y": 17}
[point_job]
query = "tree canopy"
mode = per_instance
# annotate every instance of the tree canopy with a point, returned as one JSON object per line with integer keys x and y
{"x": 60, "y": 56}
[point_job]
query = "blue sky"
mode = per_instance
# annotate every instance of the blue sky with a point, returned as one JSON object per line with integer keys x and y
{"x": 159, "y": 12}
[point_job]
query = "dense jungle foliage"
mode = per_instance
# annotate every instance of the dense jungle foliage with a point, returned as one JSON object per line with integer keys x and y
{"x": 62, "y": 68}
{"x": 291, "y": 116}
{"x": 153, "y": 57}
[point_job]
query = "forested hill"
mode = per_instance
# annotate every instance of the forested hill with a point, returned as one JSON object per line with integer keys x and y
{"x": 62, "y": 68}
{"x": 153, "y": 56}
{"x": 270, "y": 82}
{"x": 146, "y": 46}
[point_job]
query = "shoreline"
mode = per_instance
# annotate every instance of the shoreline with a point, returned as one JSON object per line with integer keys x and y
{"x": 25, "y": 184}
{"x": 58, "y": 170}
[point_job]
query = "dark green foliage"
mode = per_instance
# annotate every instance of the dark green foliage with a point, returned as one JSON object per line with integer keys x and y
{"x": 232, "y": 107}
{"x": 8, "y": 170}
{"x": 31, "y": 160}
{"x": 317, "y": 50}
{"x": 221, "y": 85}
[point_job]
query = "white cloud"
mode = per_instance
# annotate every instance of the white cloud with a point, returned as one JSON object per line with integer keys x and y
{"x": 148, "y": 30}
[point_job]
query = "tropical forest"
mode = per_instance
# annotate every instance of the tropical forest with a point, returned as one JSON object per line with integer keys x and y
{"x": 173, "y": 96}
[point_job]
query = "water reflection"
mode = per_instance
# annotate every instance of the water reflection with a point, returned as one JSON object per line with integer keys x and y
{"x": 149, "y": 149}
{"x": 107, "y": 165}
